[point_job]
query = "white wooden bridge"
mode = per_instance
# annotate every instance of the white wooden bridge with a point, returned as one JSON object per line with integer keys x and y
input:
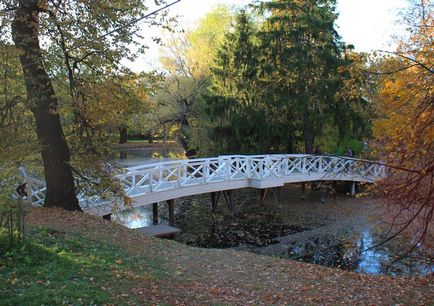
{"x": 152, "y": 183}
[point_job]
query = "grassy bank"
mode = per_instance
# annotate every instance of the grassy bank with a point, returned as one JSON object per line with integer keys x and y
{"x": 72, "y": 258}
{"x": 65, "y": 267}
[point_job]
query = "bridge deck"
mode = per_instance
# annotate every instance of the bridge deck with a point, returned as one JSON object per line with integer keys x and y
{"x": 158, "y": 182}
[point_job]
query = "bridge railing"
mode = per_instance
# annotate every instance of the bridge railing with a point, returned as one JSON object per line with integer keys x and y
{"x": 159, "y": 177}
{"x": 176, "y": 174}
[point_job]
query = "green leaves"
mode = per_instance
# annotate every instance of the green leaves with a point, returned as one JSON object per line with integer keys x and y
{"x": 275, "y": 84}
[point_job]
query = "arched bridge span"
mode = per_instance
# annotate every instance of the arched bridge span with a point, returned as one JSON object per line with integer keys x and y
{"x": 152, "y": 183}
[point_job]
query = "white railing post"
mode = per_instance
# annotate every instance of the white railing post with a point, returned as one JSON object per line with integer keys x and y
{"x": 285, "y": 166}
{"x": 184, "y": 171}
{"x": 205, "y": 169}
{"x": 249, "y": 167}
{"x": 151, "y": 188}
{"x": 178, "y": 175}
{"x": 267, "y": 165}
{"x": 133, "y": 181}
{"x": 228, "y": 169}
{"x": 160, "y": 173}
{"x": 280, "y": 168}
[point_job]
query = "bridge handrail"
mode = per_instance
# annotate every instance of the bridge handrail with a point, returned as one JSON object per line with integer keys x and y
{"x": 168, "y": 175}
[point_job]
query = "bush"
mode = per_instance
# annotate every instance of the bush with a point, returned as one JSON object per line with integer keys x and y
{"x": 12, "y": 220}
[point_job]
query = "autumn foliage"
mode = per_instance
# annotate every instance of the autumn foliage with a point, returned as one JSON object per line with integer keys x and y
{"x": 405, "y": 130}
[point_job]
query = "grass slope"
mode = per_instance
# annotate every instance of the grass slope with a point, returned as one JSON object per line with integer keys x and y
{"x": 76, "y": 259}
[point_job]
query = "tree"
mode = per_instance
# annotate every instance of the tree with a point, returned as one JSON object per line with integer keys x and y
{"x": 17, "y": 137}
{"x": 234, "y": 106}
{"x": 116, "y": 100}
{"x": 187, "y": 62}
{"x": 80, "y": 39}
{"x": 283, "y": 81}
{"x": 405, "y": 128}
{"x": 301, "y": 56}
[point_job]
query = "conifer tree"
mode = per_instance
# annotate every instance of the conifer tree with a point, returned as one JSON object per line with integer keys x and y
{"x": 235, "y": 106}
{"x": 301, "y": 56}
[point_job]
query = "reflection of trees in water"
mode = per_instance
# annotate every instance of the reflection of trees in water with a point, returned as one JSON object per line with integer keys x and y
{"x": 419, "y": 261}
{"x": 123, "y": 155}
{"x": 150, "y": 153}
{"x": 327, "y": 251}
{"x": 360, "y": 254}
{"x": 255, "y": 227}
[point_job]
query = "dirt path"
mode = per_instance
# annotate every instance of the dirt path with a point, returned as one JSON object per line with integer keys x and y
{"x": 207, "y": 276}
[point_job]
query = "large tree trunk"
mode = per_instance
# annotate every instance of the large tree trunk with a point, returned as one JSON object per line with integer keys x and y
{"x": 123, "y": 135}
{"x": 184, "y": 139}
{"x": 43, "y": 103}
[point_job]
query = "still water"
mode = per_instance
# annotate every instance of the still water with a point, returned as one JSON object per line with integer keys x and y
{"x": 318, "y": 227}
{"x": 134, "y": 154}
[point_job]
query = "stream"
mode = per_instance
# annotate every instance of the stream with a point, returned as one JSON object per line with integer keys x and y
{"x": 318, "y": 226}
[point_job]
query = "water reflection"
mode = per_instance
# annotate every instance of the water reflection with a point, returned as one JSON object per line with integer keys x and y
{"x": 134, "y": 218}
{"x": 128, "y": 156}
{"x": 371, "y": 259}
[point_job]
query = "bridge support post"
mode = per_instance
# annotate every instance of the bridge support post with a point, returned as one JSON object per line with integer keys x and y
{"x": 277, "y": 191}
{"x": 303, "y": 191}
{"x": 229, "y": 198}
{"x": 262, "y": 196}
{"x": 171, "y": 204}
{"x": 107, "y": 217}
{"x": 215, "y": 196}
{"x": 353, "y": 189}
{"x": 155, "y": 213}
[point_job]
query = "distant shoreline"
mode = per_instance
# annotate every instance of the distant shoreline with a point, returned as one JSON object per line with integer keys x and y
{"x": 145, "y": 144}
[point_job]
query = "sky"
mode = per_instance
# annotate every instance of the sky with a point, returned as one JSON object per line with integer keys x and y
{"x": 367, "y": 24}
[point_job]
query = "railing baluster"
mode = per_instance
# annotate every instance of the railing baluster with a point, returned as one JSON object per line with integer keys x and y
{"x": 228, "y": 170}
{"x": 249, "y": 167}
{"x": 178, "y": 175}
{"x": 205, "y": 169}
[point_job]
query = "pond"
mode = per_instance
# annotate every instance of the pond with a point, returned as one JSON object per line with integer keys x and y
{"x": 318, "y": 226}
{"x": 139, "y": 153}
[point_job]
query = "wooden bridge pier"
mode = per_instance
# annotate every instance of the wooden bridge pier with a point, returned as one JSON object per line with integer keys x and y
{"x": 155, "y": 218}
{"x": 263, "y": 193}
{"x": 353, "y": 189}
{"x": 171, "y": 204}
{"x": 277, "y": 193}
{"x": 161, "y": 230}
{"x": 215, "y": 196}
{"x": 155, "y": 213}
{"x": 229, "y": 200}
